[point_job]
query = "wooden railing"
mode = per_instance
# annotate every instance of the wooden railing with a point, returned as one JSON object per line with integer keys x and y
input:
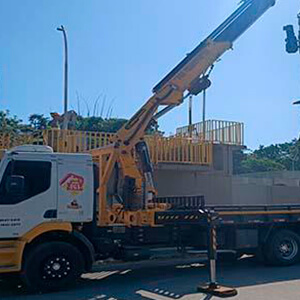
{"x": 215, "y": 131}
{"x": 162, "y": 149}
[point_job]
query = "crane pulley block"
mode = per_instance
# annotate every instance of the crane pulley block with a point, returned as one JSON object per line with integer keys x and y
{"x": 199, "y": 85}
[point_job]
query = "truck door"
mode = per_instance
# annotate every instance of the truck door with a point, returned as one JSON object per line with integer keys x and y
{"x": 27, "y": 195}
{"x": 75, "y": 188}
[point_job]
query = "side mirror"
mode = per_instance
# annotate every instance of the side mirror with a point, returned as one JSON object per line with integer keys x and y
{"x": 15, "y": 185}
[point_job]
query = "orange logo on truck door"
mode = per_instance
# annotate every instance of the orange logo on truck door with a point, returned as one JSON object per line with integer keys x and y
{"x": 74, "y": 184}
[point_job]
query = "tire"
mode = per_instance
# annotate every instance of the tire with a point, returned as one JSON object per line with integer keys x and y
{"x": 52, "y": 266}
{"x": 282, "y": 248}
{"x": 10, "y": 280}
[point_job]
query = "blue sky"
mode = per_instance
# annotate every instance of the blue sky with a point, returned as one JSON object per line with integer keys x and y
{"x": 119, "y": 49}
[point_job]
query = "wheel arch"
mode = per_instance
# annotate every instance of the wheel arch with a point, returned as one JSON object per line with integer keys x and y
{"x": 75, "y": 238}
{"x": 267, "y": 232}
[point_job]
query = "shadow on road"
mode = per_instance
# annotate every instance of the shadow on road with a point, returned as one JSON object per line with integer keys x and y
{"x": 248, "y": 272}
{"x": 178, "y": 279}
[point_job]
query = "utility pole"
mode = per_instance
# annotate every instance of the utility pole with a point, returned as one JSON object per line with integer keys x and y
{"x": 62, "y": 29}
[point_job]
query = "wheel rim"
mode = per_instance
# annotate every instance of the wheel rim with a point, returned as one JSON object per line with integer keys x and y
{"x": 56, "y": 268}
{"x": 288, "y": 249}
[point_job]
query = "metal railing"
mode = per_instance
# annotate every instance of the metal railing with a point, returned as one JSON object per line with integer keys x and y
{"x": 179, "y": 150}
{"x": 215, "y": 131}
{"x": 73, "y": 141}
{"x": 12, "y": 139}
{"x": 162, "y": 149}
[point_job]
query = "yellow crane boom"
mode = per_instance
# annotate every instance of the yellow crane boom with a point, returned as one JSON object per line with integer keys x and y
{"x": 127, "y": 157}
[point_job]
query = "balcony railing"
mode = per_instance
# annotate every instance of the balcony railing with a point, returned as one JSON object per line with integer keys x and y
{"x": 179, "y": 150}
{"x": 12, "y": 139}
{"x": 215, "y": 131}
{"x": 162, "y": 149}
{"x": 73, "y": 141}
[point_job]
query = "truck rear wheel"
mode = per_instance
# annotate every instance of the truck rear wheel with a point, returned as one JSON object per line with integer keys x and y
{"x": 52, "y": 266}
{"x": 282, "y": 248}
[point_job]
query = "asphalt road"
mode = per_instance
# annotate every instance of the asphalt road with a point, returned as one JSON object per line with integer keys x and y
{"x": 252, "y": 280}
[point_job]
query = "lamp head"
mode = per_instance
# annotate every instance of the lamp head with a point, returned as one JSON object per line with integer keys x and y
{"x": 61, "y": 28}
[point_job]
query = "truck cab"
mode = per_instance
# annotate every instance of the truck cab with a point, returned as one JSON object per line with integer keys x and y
{"x": 37, "y": 186}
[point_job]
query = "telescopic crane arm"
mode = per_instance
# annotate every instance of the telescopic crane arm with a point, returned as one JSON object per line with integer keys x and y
{"x": 185, "y": 76}
{"x": 188, "y": 77}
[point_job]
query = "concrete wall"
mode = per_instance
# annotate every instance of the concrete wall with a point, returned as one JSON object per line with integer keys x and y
{"x": 223, "y": 157}
{"x": 273, "y": 188}
{"x": 222, "y": 189}
{"x": 215, "y": 187}
{"x": 246, "y": 194}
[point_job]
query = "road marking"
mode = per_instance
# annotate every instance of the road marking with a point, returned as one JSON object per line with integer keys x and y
{"x": 98, "y": 275}
{"x": 97, "y": 297}
{"x": 125, "y": 272}
{"x": 195, "y": 265}
{"x": 154, "y": 296}
{"x": 102, "y": 297}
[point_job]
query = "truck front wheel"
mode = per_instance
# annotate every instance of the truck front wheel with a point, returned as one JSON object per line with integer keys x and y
{"x": 52, "y": 266}
{"x": 282, "y": 248}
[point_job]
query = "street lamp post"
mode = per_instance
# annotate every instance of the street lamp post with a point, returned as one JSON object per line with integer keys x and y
{"x": 292, "y": 45}
{"x": 62, "y": 29}
{"x": 292, "y": 42}
{"x": 298, "y": 16}
{"x": 298, "y": 43}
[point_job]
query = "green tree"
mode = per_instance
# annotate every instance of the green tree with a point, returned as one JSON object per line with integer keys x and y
{"x": 252, "y": 164}
{"x": 38, "y": 121}
{"x": 9, "y": 124}
{"x": 107, "y": 125}
{"x": 286, "y": 154}
{"x": 99, "y": 124}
